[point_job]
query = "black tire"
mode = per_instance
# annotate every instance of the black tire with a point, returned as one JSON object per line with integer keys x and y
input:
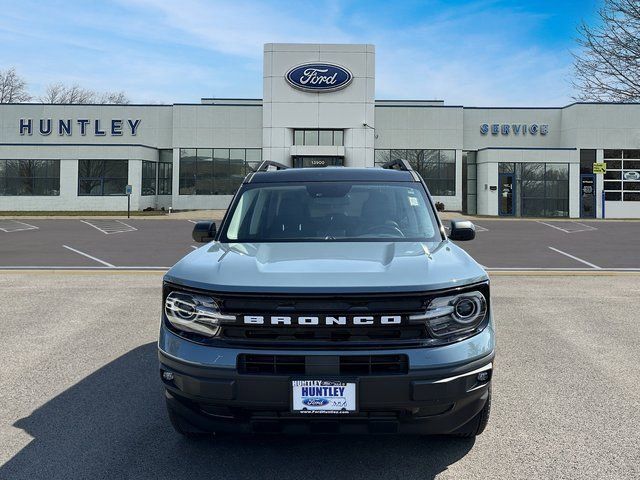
{"x": 183, "y": 427}
{"x": 477, "y": 424}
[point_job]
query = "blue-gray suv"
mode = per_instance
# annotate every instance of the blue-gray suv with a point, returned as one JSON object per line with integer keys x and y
{"x": 330, "y": 300}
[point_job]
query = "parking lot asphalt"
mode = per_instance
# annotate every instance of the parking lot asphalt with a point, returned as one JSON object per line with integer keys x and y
{"x": 552, "y": 244}
{"x": 158, "y": 244}
{"x": 87, "y": 243}
{"x": 81, "y": 395}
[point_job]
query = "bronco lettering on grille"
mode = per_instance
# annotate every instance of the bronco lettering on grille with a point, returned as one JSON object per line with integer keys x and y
{"x": 323, "y": 320}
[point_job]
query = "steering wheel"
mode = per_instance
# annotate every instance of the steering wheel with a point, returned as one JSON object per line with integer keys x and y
{"x": 389, "y": 227}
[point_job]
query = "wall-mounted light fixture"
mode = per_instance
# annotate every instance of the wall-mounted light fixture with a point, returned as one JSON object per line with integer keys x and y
{"x": 365, "y": 124}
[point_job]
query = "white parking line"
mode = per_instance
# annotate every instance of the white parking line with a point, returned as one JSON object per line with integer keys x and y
{"x": 10, "y": 226}
{"x": 194, "y": 247}
{"x": 192, "y": 221}
{"x": 553, "y": 226}
{"x": 110, "y": 226}
{"x": 107, "y": 264}
{"x": 586, "y": 228}
{"x": 576, "y": 258}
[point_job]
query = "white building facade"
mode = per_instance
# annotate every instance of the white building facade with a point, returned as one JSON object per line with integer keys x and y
{"x": 319, "y": 109}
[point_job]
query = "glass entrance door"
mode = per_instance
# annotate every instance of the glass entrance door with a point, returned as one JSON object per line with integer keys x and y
{"x": 506, "y": 192}
{"x": 587, "y": 196}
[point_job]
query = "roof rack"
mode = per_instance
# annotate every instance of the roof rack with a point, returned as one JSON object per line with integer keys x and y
{"x": 264, "y": 166}
{"x": 398, "y": 164}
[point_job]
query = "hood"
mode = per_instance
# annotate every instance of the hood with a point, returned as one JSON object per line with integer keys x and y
{"x": 326, "y": 267}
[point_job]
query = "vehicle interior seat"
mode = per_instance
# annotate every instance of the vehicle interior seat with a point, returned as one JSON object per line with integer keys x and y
{"x": 292, "y": 219}
{"x": 377, "y": 210}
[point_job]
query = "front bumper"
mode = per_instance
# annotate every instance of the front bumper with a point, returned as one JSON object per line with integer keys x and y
{"x": 440, "y": 393}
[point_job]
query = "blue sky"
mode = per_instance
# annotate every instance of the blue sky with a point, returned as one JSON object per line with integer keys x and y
{"x": 480, "y": 52}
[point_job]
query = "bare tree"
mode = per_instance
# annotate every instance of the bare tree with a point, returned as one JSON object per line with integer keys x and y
{"x": 61, "y": 93}
{"x": 13, "y": 89}
{"x": 75, "y": 94}
{"x": 114, "y": 97}
{"x": 608, "y": 66}
{"x": 53, "y": 94}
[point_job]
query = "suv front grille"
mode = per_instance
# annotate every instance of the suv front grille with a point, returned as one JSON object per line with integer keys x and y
{"x": 359, "y": 304}
{"x": 356, "y": 365}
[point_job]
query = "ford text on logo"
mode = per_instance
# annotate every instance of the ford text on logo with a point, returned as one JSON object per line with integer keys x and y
{"x": 315, "y": 402}
{"x": 321, "y": 320}
{"x": 67, "y": 127}
{"x": 319, "y": 77}
{"x": 514, "y": 129}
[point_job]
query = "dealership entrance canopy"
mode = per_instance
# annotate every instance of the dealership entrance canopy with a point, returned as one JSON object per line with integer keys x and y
{"x": 318, "y": 110}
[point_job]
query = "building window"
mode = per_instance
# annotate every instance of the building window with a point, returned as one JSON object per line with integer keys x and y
{"x": 102, "y": 177}
{"x": 253, "y": 159}
{"x": 587, "y": 159}
{"x": 622, "y": 180}
{"x": 542, "y": 189}
{"x": 148, "y": 178}
{"x": 381, "y": 157}
{"x": 437, "y": 167}
{"x": 469, "y": 182}
{"x": 30, "y": 177}
{"x": 318, "y": 137}
{"x": 216, "y": 171}
{"x": 165, "y": 172}
{"x": 311, "y": 137}
{"x": 545, "y": 189}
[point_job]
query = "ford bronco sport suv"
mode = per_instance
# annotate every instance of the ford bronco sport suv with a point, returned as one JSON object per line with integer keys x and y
{"x": 330, "y": 300}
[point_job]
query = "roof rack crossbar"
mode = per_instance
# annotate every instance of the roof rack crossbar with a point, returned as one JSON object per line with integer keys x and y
{"x": 264, "y": 166}
{"x": 398, "y": 164}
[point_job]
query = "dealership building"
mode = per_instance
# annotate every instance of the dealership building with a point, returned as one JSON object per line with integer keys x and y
{"x": 319, "y": 110}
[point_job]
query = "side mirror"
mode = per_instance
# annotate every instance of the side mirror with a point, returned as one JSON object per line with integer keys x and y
{"x": 204, "y": 232}
{"x": 462, "y": 230}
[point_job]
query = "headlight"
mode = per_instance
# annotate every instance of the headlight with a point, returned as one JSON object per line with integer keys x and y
{"x": 453, "y": 316}
{"x": 194, "y": 313}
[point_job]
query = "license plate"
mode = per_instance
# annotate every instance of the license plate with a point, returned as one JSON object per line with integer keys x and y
{"x": 323, "y": 396}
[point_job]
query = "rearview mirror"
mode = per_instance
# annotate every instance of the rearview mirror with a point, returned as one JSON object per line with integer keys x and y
{"x": 462, "y": 230}
{"x": 204, "y": 232}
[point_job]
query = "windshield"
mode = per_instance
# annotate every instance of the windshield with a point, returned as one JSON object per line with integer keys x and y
{"x": 331, "y": 211}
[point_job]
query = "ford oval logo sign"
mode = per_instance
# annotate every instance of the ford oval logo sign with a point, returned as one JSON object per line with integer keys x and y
{"x": 632, "y": 175}
{"x": 315, "y": 402}
{"x": 319, "y": 77}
